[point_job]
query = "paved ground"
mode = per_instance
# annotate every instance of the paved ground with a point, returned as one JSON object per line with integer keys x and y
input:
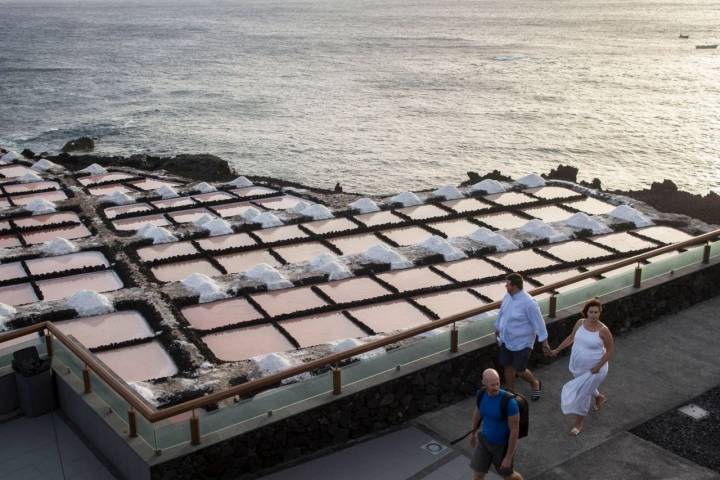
{"x": 657, "y": 368}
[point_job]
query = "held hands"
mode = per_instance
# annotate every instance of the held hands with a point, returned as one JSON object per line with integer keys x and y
{"x": 554, "y": 352}
{"x": 547, "y": 351}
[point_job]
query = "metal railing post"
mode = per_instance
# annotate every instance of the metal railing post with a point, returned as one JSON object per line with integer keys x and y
{"x": 48, "y": 343}
{"x": 454, "y": 339}
{"x": 638, "y": 276}
{"x": 87, "y": 387}
{"x": 194, "y": 429}
{"x": 706, "y": 253}
{"x": 552, "y": 307}
{"x": 337, "y": 381}
{"x": 132, "y": 423}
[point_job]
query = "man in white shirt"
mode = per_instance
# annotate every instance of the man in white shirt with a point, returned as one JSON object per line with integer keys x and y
{"x": 518, "y": 323}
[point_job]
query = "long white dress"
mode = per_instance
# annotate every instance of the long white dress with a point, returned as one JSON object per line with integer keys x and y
{"x": 577, "y": 394}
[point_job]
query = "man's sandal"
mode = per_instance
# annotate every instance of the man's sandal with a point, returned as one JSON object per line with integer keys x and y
{"x": 536, "y": 392}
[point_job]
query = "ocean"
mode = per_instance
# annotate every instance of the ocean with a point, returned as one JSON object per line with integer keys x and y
{"x": 381, "y": 96}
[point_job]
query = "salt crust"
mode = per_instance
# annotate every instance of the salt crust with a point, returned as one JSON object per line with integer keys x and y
{"x": 166, "y": 191}
{"x": 203, "y": 219}
{"x": 488, "y": 237}
{"x": 204, "y": 286}
{"x": 240, "y": 182}
{"x": 270, "y": 363}
{"x": 6, "y": 311}
{"x": 449, "y": 192}
{"x": 300, "y": 206}
{"x": 329, "y": 264}
{"x": 532, "y": 181}
{"x": 384, "y": 254}
{"x": 117, "y": 198}
{"x": 44, "y": 165}
{"x": 88, "y": 302}
{"x": 58, "y": 246}
{"x": 488, "y": 186}
{"x": 365, "y": 205}
{"x": 317, "y": 212}
{"x": 204, "y": 187}
{"x": 406, "y": 199}
{"x": 267, "y": 220}
{"x": 40, "y": 206}
{"x": 629, "y": 214}
{"x": 348, "y": 343}
{"x": 30, "y": 177}
{"x": 217, "y": 226}
{"x": 158, "y": 234}
{"x": 145, "y": 391}
{"x": 94, "y": 169}
{"x": 438, "y": 244}
{"x": 268, "y": 275}
{"x": 10, "y": 157}
{"x": 583, "y": 221}
{"x": 539, "y": 229}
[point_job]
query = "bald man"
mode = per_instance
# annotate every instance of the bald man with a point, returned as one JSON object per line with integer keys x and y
{"x": 497, "y": 441}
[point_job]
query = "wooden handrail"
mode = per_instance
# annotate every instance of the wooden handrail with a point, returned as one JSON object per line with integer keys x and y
{"x": 154, "y": 415}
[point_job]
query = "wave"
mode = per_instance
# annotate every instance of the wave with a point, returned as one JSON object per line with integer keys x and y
{"x": 508, "y": 58}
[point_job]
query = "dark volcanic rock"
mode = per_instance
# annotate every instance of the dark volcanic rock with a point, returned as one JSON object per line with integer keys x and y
{"x": 562, "y": 172}
{"x": 474, "y": 177}
{"x": 79, "y": 144}
{"x": 27, "y": 153}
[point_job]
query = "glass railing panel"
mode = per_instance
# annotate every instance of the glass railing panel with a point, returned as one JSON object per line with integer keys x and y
{"x": 176, "y": 430}
{"x": 714, "y": 249}
{"x": 8, "y": 348}
{"x": 675, "y": 262}
{"x": 108, "y": 395}
{"x": 61, "y": 352}
{"x": 575, "y": 296}
{"x": 146, "y": 431}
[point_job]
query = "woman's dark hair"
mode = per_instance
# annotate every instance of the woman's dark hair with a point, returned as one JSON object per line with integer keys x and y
{"x": 515, "y": 279}
{"x": 592, "y": 303}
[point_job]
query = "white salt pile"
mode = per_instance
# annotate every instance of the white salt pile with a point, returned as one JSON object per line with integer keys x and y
{"x": 166, "y": 191}
{"x": 448, "y": 192}
{"x": 218, "y": 226}
{"x": 537, "y": 228}
{"x": 488, "y": 186}
{"x": 43, "y": 165}
{"x": 438, "y": 244}
{"x": 383, "y": 254}
{"x": 58, "y": 246}
{"x": 629, "y": 214}
{"x": 203, "y": 187}
{"x": 364, "y": 205}
{"x": 30, "y": 177}
{"x": 268, "y": 275}
{"x": 249, "y": 213}
{"x": 203, "y": 219}
{"x": 583, "y": 221}
{"x": 6, "y": 311}
{"x": 143, "y": 389}
{"x": 317, "y": 212}
{"x": 240, "y": 182}
{"x": 204, "y": 286}
{"x": 267, "y": 220}
{"x": 87, "y": 302}
{"x": 488, "y": 237}
{"x": 348, "y": 343}
{"x": 117, "y": 198}
{"x": 329, "y": 264}
{"x": 270, "y": 363}
{"x": 94, "y": 169}
{"x": 40, "y": 206}
{"x": 300, "y": 206}
{"x": 157, "y": 234}
{"x": 532, "y": 181}
{"x": 406, "y": 199}
{"x": 10, "y": 157}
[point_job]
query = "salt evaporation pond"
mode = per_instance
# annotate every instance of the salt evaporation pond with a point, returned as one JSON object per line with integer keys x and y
{"x": 323, "y": 328}
{"x": 445, "y": 304}
{"x": 503, "y": 220}
{"x": 176, "y": 271}
{"x": 353, "y": 289}
{"x": 413, "y": 279}
{"x": 510, "y": 198}
{"x": 206, "y": 316}
{"x": 62, "y": 287}
{"x": 279, "y": 203}
{"x": 113, "y": 327}
{"x": 592, "y": 206}
{"x": 134, "y": 223}
{"x": 243, "y": 261}
{"x": 174, "y": 202}
{"x": 470, "y": 269}
{"x": 354, "y": 244}
{"x": 221, "y": 242}
{"x": 113, "y": 212}
{"x": 189, "y": 216}
{"x": 302, "y": 252}
{"x": 40, "y": 266}
{"x": 68, "y": 233}
{"x": 522, "y": 260}
{"x": 407, "y": 235}
{"x": 665, "y": 234}
{"x": 139, "y": 362}
{"x": 56, "y": 196}
{"x": 244, "y": 343}
{"x": 455, "y": 228}
{"x": 390, "y": 316}
{"x": 423, "y": 212}
{"x": 279, "y": 302}
{"x": 575, "y": 250}
{"x": 11, "y": 270}
{"x": 466, "y": 205}
{"x": 624, "y": 242}
{"x": 277, "y": 234}
{"x": 552, "y": 193}
{"x": 17, "y": 294}
{"x": 165, "y": 250}
{"x": 549, "y": 213}
{"x": 379, "y": 218}
{"x": 321, "y": 227}
{"x": 252, "y": 191}
{"x": 233, "y": 209}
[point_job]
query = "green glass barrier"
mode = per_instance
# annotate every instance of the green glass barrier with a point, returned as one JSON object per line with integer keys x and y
{"x": 601, "y": 287}
{"x": 146, "y": 431}
{"x": 715, "y": 249}
{"x": 6, "y": 351}
{"x": 661, "y": 267}
{"x": 61, "y": 352}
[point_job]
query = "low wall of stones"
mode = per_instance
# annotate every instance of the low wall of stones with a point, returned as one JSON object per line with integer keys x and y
{"x": 394, "y": 402}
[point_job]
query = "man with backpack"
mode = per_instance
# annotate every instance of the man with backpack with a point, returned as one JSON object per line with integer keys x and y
{"x": 499, "y": 413}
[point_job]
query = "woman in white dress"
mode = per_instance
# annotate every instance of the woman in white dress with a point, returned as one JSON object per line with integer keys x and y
{"x": 592, "y": 348}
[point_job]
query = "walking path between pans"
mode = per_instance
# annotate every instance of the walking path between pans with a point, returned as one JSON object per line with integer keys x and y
{"x": 657, "y": 367}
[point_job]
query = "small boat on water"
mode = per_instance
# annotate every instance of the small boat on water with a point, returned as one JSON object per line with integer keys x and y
{"x": 706, "y": 46}
{"x": 682, "y": 35}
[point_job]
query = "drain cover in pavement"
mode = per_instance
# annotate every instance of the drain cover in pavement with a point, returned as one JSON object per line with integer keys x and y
{"x": 434, "y": 447}
{"x": 693, "y": 411}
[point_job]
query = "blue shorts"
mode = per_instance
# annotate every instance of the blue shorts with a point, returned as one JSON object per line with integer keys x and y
{"x": 517, "y": 360}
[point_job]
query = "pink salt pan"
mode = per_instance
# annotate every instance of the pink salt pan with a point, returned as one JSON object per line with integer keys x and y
{"x": 174, "y": 202}
{"x": 592, "y": 206}
{"x": 212, "y": 196}
{"x": 407, "y": 235}
{"x": 40, "y": 266}
{"x": 135, "y": 223}
{"x": 552, "y": 192}
{"x": 152, "y": 184}
{"x": 232, "y": 209}
{"x": 240, "y": 262}
{"x": 422, "y": 212}
{"x": 450, "y": 303}
{"x": 104, "y": 177}
{"x": 470, "y": 269}
{"x": 494, "y": 291}
{"x": 522, "y": 260}
{"x": 222, "y": 242}
{"x": 68, "y": 233}
{"x": 18, "y": 294}
{"x": 252, "y": 191}
{"x": 302, "y": 252}
{"x": 139, "y": 362}
{"x": 665, "y": 234}
{"x": 332, "y": 225}
{"x": 379, "y": 218}
{"x": 455, "y": 228}
{"x": 55, "y": 196}
{"x": 188, "y": 216}
{"x": 276, "y": 234}
{"x": 354, "y": 244}
{"x": 503, "y": 220}
{"x": 11, "y": 270}
{"x": 14, "y": 171}
{"x": 9, "y": 241}
{"x": 174, "y": 272}
{"x": 109, "y": 189}
{"x": 113, "y": 212}
{"x": 575, "y": 250}
{"x": 47, "y": 219}
{"x": 165, "y": 250}
{"x": 390, "y": 316}
{"x": 319, "y": 329}
{"x": 63, "y": 287}
{"x": 413, "y": 279}
{"x": 353, "y": 289}
{"x": 105, "y": 329}
{"x": 279, "y": 203}
{"x": 549, "y": 213}
{"x": 244, "y": 343}
{"x": 510, "y": 198}
{"x": 279, "y": 302}
{"x": 624, "y": 242}
{"x": 466, "y": 205}
{"x": 205, "y": 316}
{"x": 30, "y": 187}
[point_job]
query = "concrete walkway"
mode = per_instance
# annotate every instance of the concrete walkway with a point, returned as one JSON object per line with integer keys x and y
{"x": 656, "y": 368}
